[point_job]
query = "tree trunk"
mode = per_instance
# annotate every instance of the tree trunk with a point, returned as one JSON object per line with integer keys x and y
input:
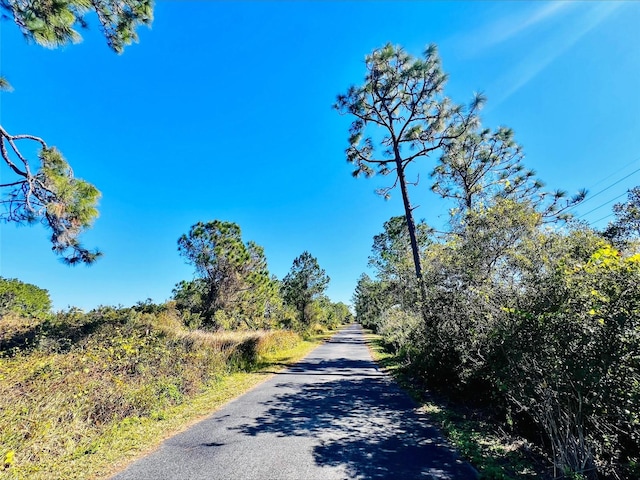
{"x": 411, "y": 225}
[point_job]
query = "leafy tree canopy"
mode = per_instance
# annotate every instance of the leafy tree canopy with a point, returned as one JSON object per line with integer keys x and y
{"x": 23, "y": 298}
{"x": 232, "y": 275}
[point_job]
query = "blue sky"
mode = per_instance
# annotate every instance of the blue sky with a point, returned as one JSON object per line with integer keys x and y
{"x": 223, "y": 111}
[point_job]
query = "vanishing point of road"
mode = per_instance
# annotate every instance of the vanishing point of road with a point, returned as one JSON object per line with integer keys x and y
{"x": 333, "y": 416}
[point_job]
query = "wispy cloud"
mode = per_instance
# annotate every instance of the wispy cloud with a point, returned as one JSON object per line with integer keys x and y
{"x": 542, "y": 34}
{"x": 552, "y": 46}
{"x": 510, "y": 26}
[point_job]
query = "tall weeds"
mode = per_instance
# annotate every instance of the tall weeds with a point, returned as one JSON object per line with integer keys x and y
{"x": 77, "y": 377}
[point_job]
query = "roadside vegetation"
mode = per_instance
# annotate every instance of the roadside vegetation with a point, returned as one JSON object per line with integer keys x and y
{"x": 513, "y": 309}
{"x": 540, "y": 344}
{"x": 82, "y": 393}
{"x": 476, "y": 432}
{"x": 526, "y": 322}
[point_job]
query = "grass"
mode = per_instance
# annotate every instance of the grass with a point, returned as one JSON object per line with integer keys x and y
{"x": 478, "y": 437}
{"x": 134, "y": 439}
{"x": 82, "y": 396}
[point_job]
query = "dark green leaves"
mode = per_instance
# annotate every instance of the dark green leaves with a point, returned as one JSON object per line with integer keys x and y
{"x": 23, "y": 299}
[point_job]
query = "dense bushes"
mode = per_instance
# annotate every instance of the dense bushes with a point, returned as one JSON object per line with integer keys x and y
{"x": 542, "y": 324}
{"x": 82, "y": 375}
{"x": 23, "y": 299}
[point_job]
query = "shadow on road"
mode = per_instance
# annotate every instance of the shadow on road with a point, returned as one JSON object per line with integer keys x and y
{"x": 347, "y": 340}
{"x": 344, "y": 367}
{"x": 364, "y": 423}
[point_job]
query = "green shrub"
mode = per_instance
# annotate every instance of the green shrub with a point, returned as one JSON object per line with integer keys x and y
{"x": 23, "y": 299}
{"x": 542, "y": 326}
{"x": 87, "y": 373}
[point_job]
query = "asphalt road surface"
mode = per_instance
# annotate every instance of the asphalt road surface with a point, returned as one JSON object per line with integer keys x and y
{"x": 333, "y": 416}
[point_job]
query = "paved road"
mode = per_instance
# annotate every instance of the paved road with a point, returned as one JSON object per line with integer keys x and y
{"x": 333, "y": 416}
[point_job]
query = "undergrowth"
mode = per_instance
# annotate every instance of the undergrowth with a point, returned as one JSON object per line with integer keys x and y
{"x": 80, "y": 392}
{"x": 476, "y": 435}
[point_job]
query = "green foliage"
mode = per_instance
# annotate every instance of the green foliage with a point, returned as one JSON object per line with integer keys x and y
{"x": 391, "y": 258}
{"x": 328, "y": 314}
{"x": 573, "y": 360}
{"x": 52, "y": 196}
{"x": 626, "y": 226}
{"x": 404, "y": 97}
{"x": 233, "y": 289}
{"x": 23, "y": 299}
{"x": 67, "y": 398}
{"x": 54, "y": 22}
{"x": 370, "y": 299}
{"x": 190, "y": 296}
{"x": 397, "y": 325}
{"x": 479, "y": 168}
{"x": 544, "y": 324}
{"x": 338, "y": 314}
{"x": 304, "y": 283}
{"x": 474, "y": 432}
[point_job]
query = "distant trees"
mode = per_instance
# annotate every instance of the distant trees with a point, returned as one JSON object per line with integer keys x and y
{"x": 23, "y": 299}
{"x": 370, "y": 299}
{"x": 304, "y": 283}
{"x": 46, "y": 190}
{"x": 234, "y": 290}
{"x": 232, "y": 276}
{"x": 336, "y": 314}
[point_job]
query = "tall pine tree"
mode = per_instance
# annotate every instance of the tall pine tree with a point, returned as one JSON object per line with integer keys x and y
{"x": 402, "y": 106}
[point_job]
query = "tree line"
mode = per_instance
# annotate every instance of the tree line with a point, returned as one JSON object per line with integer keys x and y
{"x": 233, "y": 289}
{"x": 513, "y": 305}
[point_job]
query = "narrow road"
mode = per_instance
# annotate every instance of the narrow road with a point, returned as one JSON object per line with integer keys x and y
{"x": 332, "y": 416}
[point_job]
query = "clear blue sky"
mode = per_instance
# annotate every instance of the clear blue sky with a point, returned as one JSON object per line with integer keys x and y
{"x": 223, "y": 111}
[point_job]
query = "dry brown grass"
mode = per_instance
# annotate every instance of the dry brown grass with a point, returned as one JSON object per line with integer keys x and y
{"x": 66, "y": 399}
